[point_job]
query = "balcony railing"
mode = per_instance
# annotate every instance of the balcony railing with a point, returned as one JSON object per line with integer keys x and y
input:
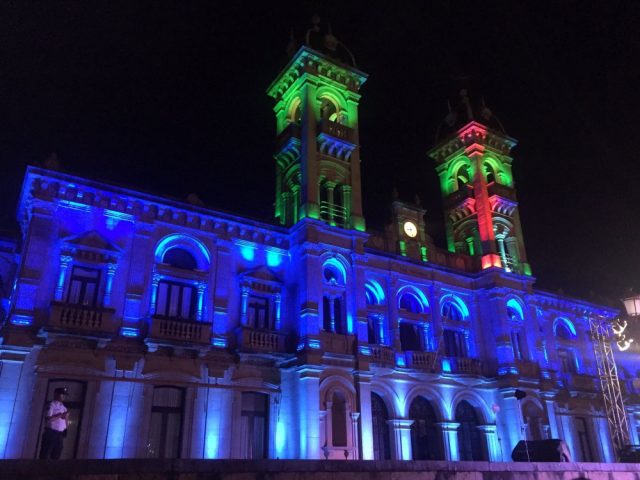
{"x": 382, "y": 355}
{"x": 422, "y": 360}
{"x": 250, "y": 339}
{"x": 177, "y": 330}
{"x": 336, "y": 130}
{"x": 468, "y": 366}
{"x": 456, "y": 198}
{"x": 334, "y": 214}
{"x": 337, "y": 343}
{"x": 80, "y": 318}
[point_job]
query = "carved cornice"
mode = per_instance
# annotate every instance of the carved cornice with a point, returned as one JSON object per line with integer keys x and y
{"x": 53, "y": 188}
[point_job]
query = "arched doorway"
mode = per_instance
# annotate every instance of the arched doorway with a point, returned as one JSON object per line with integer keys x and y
{"x": 379, "y": 418}
{"x": 470, "y": 441}
{"x": 426, "y": 437}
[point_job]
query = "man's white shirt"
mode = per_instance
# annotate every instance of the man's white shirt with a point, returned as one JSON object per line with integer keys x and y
{"x": 59, "y": 424}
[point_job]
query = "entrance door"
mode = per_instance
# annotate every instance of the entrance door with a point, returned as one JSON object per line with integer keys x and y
{"x": 75, "y": 404}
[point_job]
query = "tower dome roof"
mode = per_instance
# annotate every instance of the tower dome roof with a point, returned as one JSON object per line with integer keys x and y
{"x": 321, "y": 39}
{"x": 463, "y": 110}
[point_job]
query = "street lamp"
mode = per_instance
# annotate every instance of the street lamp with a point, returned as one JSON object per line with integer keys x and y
{"x": 632, "y": 305}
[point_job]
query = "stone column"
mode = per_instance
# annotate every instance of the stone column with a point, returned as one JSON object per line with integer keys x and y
{"x": 244, "y": 299}
{"x": 65, "y": 261}
{"x": 363, "y": 385}
{"x": 332, "y": 313}
{"x": 346, "y": 203}
{"x": 202, "y": 287}
{"x": 490, "y": 433}
{"x": 401, "y": 438}
{"x": 309, "y": 413}
{"x": 155, "y": 281}
{"x": 426, "y": 329}
{"x": 111, "y": 271}
{"x": 276, "y": 303}
{"x": 354, "y": 435}
{"x": 450, "y": 440}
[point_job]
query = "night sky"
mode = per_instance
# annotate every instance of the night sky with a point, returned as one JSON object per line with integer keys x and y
{"x": 169, "y": 97}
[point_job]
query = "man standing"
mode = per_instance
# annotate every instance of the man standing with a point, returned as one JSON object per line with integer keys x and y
{"x": 55, "y": 426}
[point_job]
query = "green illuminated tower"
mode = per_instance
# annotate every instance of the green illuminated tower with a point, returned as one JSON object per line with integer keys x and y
{"x": 317, "y": 153}
{"x": 481, "y": 211}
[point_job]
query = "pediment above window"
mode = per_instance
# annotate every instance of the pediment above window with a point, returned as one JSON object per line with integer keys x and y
{"x": 91, "y": 246}
{"x": 261, "y": 279}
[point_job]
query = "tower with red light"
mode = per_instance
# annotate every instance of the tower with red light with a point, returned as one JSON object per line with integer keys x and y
{"x": 473, "y": 157}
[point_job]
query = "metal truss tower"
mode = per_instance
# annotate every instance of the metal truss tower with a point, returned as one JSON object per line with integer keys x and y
{"x": 601, "y": 334}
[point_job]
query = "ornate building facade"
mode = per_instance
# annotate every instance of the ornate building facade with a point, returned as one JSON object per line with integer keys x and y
{"x": 181, "y": 331}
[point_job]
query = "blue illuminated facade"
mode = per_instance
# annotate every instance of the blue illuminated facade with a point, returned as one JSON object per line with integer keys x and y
{"x": 185, "y": 332}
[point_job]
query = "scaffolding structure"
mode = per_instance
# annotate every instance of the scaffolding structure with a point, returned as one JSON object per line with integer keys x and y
{"x": 601, "y": 333}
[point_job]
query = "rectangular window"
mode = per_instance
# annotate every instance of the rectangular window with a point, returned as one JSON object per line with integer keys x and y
{"x": 454, "y": 343}
{"x": 165, "y": 429}
{"x": 258, "y": 313}
{"x": 567, "y": 361}
{"x": 253, "y": 425}
{"x": 372, "y": 330}
{"x": 516, "y": 343}
{"x": 176, "y": 300}
{"x": 582, "y": 431}
{"x": 83, "y": 286}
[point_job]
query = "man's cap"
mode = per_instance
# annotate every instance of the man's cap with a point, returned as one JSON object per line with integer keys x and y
{"x": 61, "y": 390}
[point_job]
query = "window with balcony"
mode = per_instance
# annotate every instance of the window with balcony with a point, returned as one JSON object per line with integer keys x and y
{"x": 414, "y": 328}
{"x": 258, "y": 313}
{"x": 516, "y": 345}
{"x": 376, "y": 325}
{"x": 176, "y": 300}
{"x": 83, "y": 286}
{"x": 455, "y": 344}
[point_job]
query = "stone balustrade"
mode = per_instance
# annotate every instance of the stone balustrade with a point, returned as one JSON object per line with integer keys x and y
{"x": 178, "y": 330}
{"x": 81, "y": 318}
{"x": 250, "y": 339}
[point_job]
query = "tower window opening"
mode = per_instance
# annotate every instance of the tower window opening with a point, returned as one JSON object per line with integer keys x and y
{"x": 339, "y": 420}
{"x": 490, "y": 174}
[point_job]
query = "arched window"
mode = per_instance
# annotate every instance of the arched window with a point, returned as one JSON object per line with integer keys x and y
{"x": 379, "y": 420}
{"x": 180, "y": 279}
{"x": 376, "y": 325}
{"x": 333, "y": 274}
{"x": 410, "y": 303}
{"x": 489, "y": 172}
{"x": 334, "y": 313}
{"x": 564, "y": 329}
{"x": 469, "y": 437}
{"x": 451, "y": 311}
{"x": 514, "y": 310}
{"x": 179, "y": 258}
{"x": 329, "y": 110}
{"x": 426, "y": 438}
{"x": 462, "y": 176}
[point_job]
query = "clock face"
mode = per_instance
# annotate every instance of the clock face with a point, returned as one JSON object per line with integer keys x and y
{"x": 410, "y": 229}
